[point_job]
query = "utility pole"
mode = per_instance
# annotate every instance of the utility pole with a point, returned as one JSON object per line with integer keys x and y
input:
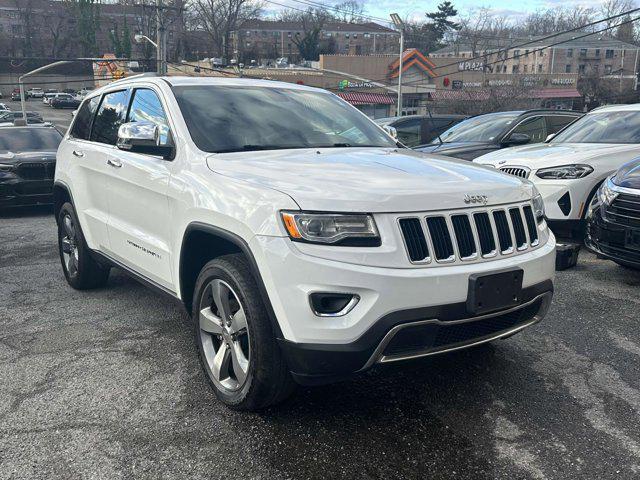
{"x": 397, "y": 21}
{"x": 161, "y": 40}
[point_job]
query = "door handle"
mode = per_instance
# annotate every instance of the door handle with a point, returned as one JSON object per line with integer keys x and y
{"x": 114, "y": 163}
{"x": 78, "y": 153}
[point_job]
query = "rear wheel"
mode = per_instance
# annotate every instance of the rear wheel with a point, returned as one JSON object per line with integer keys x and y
{"x": 80, "y": 269}
{"x": 237, "y": 347}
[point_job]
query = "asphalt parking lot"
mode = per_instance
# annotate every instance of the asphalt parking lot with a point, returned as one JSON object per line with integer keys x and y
{"x": 61, "y": 118}
{"x": 106, "y": 384}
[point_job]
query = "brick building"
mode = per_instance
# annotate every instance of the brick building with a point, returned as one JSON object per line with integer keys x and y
{"x": 595, "y": 54}
{"x": 268, "y": 39}
{"x": 48, "y": 28}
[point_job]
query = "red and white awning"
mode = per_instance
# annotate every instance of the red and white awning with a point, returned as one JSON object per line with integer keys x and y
{"x": 357, "y": 98}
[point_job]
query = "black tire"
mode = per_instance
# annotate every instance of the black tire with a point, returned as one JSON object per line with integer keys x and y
{"x": 82, "y": 272}
{"x": 268, "y": 380}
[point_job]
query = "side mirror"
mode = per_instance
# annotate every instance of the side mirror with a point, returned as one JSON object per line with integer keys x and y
{"x": 391, "y": 131}
{"x": 516, "y": 139}
{"x": 550, "y": 136}
{"x": 143, "y": 137}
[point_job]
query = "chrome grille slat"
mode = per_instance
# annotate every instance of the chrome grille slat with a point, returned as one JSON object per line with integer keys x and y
{"x": 521, "y": 172}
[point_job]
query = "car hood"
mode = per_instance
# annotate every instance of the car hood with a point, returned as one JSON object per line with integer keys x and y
{"x": 543, "y": 155}
{"x": 370, "y": 179}
{"x": 629, "y": 175}
{"x": 37, "y": 156}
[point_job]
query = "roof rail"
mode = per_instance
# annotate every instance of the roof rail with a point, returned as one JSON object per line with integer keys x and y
{"x": 140, "y": 75}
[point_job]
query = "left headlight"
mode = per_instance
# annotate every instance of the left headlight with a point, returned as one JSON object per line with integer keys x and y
{"x": 564, "y": 172}
{"x": 332, "y": 228}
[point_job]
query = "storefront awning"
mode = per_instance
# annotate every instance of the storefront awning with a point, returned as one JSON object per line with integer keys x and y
{"x": 556, "y": 93}
{"x": 356, "y": 98}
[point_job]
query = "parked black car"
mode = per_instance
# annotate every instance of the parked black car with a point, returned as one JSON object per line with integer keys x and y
{"x": 8, "y": 117}
{"x": 482, "y": 134}
{"x": 27, "y": 164}
{"x": 613, "y": 220}
{"x": 64, "y": 101}
{"x": 416, "y": 130}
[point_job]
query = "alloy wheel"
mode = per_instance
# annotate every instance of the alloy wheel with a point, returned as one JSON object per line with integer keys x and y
{"x": 69, "y": 245}
{"x": 224, "y": 336}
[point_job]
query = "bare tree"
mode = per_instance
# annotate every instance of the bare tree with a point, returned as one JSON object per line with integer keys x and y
{"x": 219, "y": 18}
{"x": 349, "y": 11}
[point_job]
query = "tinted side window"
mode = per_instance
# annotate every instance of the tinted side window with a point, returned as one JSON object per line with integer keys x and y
{"x": 111, "y": 115}
{"x": 146, "y": 107}
{"x": 557, "y": 123}
{"x": 409, "y": 132}
{"x": 82, "y": 125}
{"x": 534, "y": 127}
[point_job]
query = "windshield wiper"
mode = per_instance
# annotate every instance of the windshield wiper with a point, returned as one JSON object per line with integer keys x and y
{"x": 251, "y": 148}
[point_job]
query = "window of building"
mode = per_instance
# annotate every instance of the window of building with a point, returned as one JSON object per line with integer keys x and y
{"x": 597, "y": 52}
{"x": 569, "y": 52}
{"x": 607, "y": 69}
{"x": 526, "y": 52}
{"x": 583, "y": 52}
{"x": 248, "y": 44}
{"x": 567, "y": 68}
{"x": 288, "y": 34}
{"x": 608, "y": 54}
{"x": 526, "y": 68}
{"x": 504, "y": 69}
{"x": 539, "y": 68}
{"x": 515, "y": 68}
{"x": 367, "y": 35}
{"x": 346, "y": 35}
{"x": 582, "y": 69}
{"x": 355, "y": 35}
{"x": 248, "y": 33}
{"x": 516, "y": 53}
{"x": 595, "y": 69}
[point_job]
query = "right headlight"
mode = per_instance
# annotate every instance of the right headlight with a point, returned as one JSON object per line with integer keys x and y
{"x": 564, "y": 172}
{"x": 332, "y": 228}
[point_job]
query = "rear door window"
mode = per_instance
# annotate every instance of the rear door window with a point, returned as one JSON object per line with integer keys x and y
{"x": 111, "y": 114}
{"x": 82, "y": 124}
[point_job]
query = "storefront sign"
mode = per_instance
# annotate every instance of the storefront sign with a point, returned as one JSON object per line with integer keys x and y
{"x": 563, "y": 81}
{"x": 456, "y": 85}
{"x": 349, "y": 84}
{"x": 470, "y": 66}
{"x": 471, "y": 84}
{"x": 499, "y": 83}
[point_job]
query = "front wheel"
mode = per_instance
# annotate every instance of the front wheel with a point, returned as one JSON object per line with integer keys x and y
{"x": 80, "y": 269}
{"x": 236, "y": 343}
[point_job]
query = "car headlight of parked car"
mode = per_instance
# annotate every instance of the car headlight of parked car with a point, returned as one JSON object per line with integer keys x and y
{"x": 6, "y": 167}
{"x": 605, "y": 196}
{"x": 538, "y": 205}
{"x": 332, "y": 228}
{"x": 564, "y": 172}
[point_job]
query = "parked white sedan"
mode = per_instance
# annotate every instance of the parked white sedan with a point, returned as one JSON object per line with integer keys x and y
{"x": 569, "y": 168}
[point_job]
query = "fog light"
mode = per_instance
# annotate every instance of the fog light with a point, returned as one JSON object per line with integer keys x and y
{"x": 332, "y": 304}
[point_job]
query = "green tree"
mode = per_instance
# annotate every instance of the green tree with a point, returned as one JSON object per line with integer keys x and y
{"x": 440, "y": 19}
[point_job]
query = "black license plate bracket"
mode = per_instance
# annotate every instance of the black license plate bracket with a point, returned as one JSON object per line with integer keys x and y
{"x": 495, "y": 291}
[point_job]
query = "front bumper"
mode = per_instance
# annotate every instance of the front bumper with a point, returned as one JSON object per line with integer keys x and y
{"x": 609, "y": 239}
{"x": 17, "y": 190}
{"x": 321, "y": 349}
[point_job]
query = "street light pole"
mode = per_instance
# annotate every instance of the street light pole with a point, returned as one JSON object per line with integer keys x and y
{"x": 21, "y": 78}
{"x": 397, "y": 21}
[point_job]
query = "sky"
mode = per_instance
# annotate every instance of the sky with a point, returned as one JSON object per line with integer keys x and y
{"x": 415, "y": 9}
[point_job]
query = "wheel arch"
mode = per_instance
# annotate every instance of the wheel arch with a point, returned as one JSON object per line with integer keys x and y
{"x": 202, "y": 243}
{"x": 61, "y": 195}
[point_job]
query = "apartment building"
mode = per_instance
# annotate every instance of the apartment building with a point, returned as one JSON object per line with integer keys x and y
{"x": 596, "y": 54}
{"x": 269, "y": 39}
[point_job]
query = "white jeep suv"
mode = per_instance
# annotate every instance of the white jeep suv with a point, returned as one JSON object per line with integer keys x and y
{"x": 306, "y": 244}
{"x": 568, "y": 169}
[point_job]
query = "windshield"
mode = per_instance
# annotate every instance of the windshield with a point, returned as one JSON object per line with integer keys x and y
{"x": 232, "y": 119}
{"x": 605, "y": 127}
{"x": 483, "y": 128}
{"x": 29, "y": 139}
